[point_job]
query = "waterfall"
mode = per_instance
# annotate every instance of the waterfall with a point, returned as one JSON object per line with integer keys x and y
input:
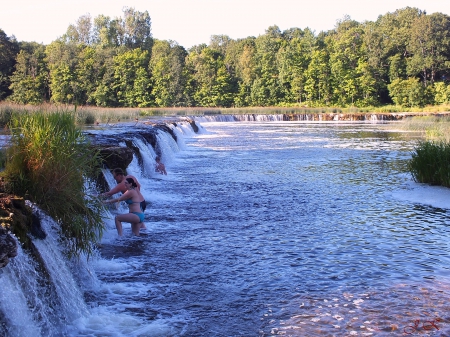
{"x": 304, "y": 117}
{"x": 20, "y": 300}
{"x": 39, "y": 295}
{"x": 70, "y": 297}
{"x": 148, "y": 156}
{"x": 43, "y": 291}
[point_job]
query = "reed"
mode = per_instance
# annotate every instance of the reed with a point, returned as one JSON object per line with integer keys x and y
{"x": 430, "y": 163}
{"x": 86, "y": 115}
{"x": 48, "y": 162}
{"x": 431, "y": 127}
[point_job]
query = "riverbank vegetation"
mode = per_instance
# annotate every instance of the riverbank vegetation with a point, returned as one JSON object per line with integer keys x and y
{"x": 48, "y": 161}
{"x": 87, "y": 115}
{"x": 430, "y": 159}
{"x": 399, "y": 60}
{"x": 430, "y": 163}
{"x": 82, "y": 115}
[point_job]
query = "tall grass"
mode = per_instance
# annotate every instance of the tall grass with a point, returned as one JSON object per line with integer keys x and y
{"x": 432, "y": 127}
{"x": 85, "y": 115}
{"x": 430, "y": 159}
{"x": 430, "y": 163}
{"x": 48, "y": 162}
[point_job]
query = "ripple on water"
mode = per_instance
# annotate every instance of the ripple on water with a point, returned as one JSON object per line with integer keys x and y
{"x": 400, "y": 310}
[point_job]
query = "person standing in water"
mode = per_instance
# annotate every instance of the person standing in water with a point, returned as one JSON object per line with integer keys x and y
{"x": 120, "y": 179}
{"x": 133, "y": 198}
{"x": 160, "y": 167}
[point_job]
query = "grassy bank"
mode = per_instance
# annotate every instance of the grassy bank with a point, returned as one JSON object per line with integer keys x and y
{"x": 432, "y": 128}
{"x": 81, "y": 115}
{"x": 430, "y": 159}
{"x": 86, "y": 115}
{"x": 48, "y": 162}
{"x": 430, "y": 163}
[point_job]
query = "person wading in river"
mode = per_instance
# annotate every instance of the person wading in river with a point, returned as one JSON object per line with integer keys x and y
{"x": 134, "y": 199}
{"x": 160, "y": 167}
{"x": 120, "y": 179}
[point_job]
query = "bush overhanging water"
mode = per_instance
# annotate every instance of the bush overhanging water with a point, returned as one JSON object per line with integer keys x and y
{"x": 48, "y": 161}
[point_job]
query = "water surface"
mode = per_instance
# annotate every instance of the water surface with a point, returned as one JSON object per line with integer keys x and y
{"x": 300, "y": 229}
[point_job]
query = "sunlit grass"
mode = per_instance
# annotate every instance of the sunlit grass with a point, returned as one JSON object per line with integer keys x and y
{"x": 48, "y": 162}
{"x": 430, "y": 163}
{"x": 431, "y": 127}
{"x": 86, "y": 115}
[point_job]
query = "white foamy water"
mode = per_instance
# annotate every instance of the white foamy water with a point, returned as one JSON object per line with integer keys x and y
{"x": 436, "y": 196}
{"x": 272, "y": 228}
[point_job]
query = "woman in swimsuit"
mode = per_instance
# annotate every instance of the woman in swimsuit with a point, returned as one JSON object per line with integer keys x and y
{"x": 133, "y": 198}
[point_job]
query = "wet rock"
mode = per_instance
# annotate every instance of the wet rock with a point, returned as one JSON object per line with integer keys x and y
{"x": 193, "y": 125}
{"x": 116, "y": 156}
{"x": 15, "y": 217}
{"x": 36, "y": 228}
{"x": 8, "y": 246}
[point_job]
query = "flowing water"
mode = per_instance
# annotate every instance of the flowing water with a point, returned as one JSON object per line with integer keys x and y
{"x": 275, "y": 228}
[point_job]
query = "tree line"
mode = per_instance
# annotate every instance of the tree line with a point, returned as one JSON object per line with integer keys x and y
{"x": 403, "y": 58}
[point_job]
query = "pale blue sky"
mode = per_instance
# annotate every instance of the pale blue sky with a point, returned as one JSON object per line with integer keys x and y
{"x": 191, "y": 22}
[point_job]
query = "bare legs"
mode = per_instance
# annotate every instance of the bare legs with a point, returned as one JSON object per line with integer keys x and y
{"x": 131, "y": 218}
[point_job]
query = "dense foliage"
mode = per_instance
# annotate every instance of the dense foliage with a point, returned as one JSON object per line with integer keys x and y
{"x": 430, "y": 163}
{"x": 49, "y": 162}
{"x": 402, "y": 58}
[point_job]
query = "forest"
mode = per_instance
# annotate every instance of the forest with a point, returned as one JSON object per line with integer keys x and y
{"x": 402, "y": 58}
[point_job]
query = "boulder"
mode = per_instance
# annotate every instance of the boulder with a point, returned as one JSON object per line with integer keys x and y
{"x": 8, "y": 246}
{"x": 116, "y": 156}
{"x": 15, "y": 217}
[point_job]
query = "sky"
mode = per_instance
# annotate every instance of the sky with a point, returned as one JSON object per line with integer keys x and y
{"x": 192, "y": 22}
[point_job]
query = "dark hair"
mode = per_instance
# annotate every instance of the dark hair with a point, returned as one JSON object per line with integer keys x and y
{"x": 131, "y": 181}
{"x": 158, "y": 158}
{"x": 118, "y": 171}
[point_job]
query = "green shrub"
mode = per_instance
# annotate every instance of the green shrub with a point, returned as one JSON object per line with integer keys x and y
{"x": 430, "y": 163}
{"x": 85, "y": 118}
{"x": 48, "y": 162}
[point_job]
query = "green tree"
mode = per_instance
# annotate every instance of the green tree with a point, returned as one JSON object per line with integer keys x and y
{"x": 220, "y": 43}
{"x": 408, "y": 92}
{"x": 166, "y": 67}
{"x": 9, "y": 48}
{"x": 137, "y": 29}
{"x": 442, "y": 93}
{"x": 81, "y": 32}
{"x": 104, "y": 64}
{"x": 293, "y": 59}
{"x": 345, "y": 53}
{"x": 107, "y": 32}
{"x": 131, "y": 78}
{"x": 240, "y": 62}
{"x": 29, "y": 82}
{"x": 62, "y": 61}
{"x": 265, "y": 90}
{"x": 87, "y": 74}
{"x": 211, "y": 81}
{"x": 317, "y": 87}
{"x": 429, "y": 46}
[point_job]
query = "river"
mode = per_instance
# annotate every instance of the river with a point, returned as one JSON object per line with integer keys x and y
{"x": 277, "y": 228}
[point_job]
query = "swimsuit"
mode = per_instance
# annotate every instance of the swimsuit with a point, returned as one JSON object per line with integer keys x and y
{"x": 140, "y": 215}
